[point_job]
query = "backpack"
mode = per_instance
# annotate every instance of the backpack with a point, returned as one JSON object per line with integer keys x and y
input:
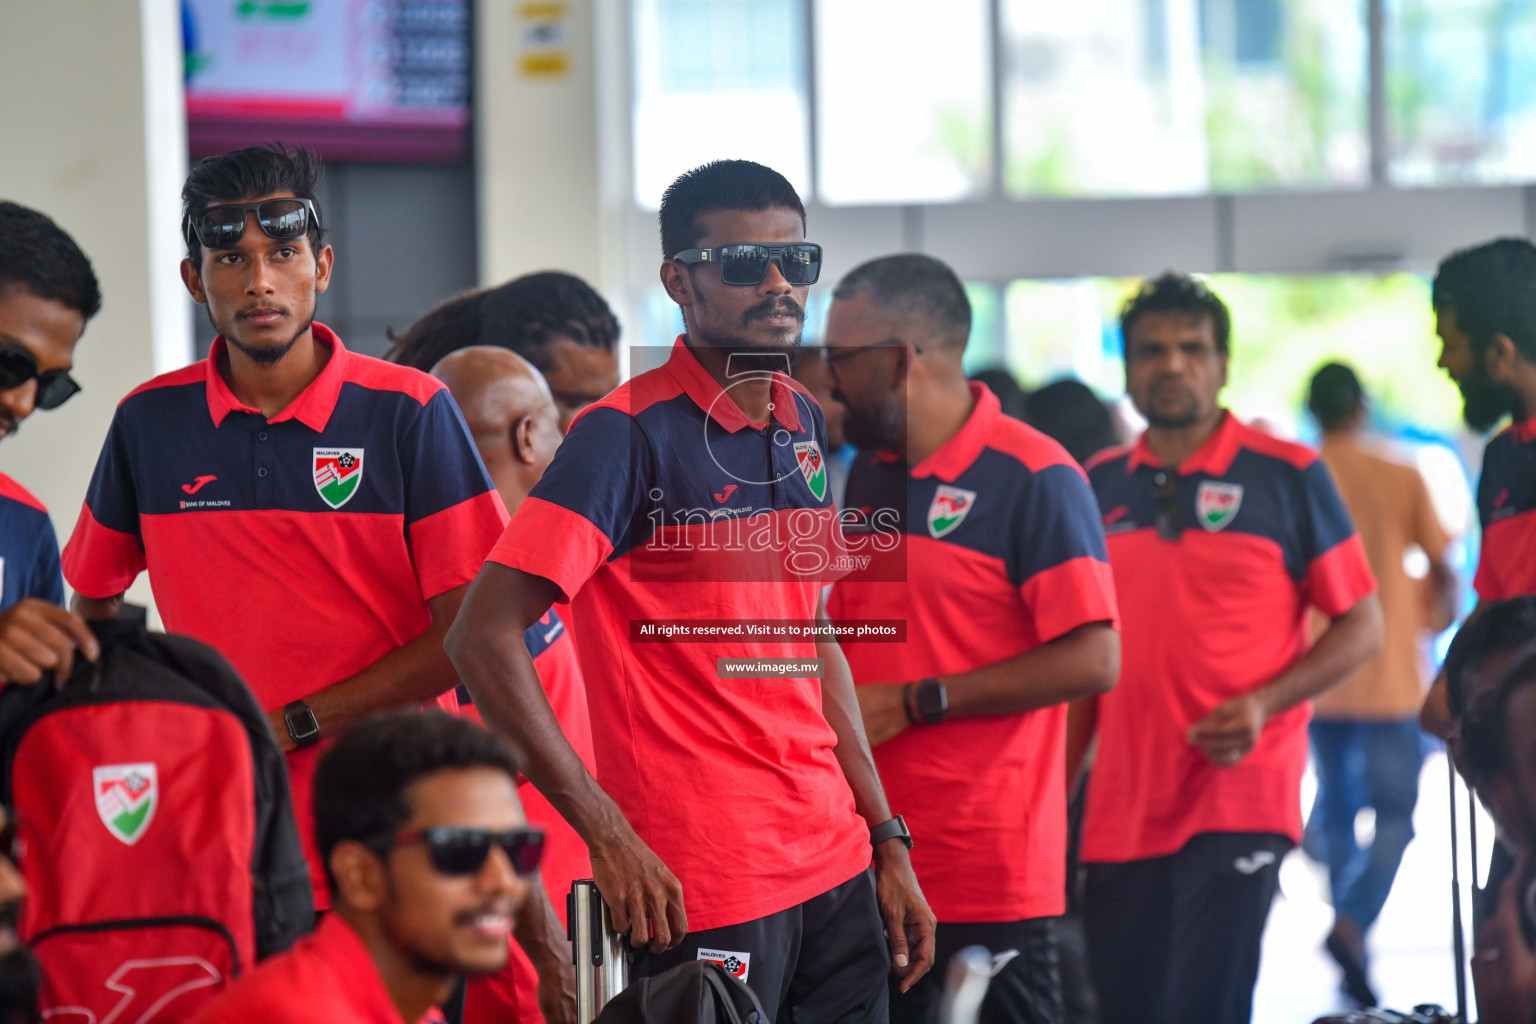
{"x": 695, "y": 992}
{"x": 154, "y": 829}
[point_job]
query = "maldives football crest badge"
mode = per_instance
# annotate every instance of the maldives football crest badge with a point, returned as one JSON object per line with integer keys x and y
{"x": 812, "y": 467}
{"x": 338, "y": 471}
{"x": 1216, "y": 504}
{"x": 126, "y": 795}
{"x": 949, "y": 508}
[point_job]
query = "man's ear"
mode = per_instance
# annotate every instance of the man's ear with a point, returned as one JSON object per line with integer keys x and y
{"x": 194, "y": 282}
{"x": 521, "y": 438}
{"x": 359, "y": 874}
{"x": 678, "y": 281}
{"x": 323, "y": 263}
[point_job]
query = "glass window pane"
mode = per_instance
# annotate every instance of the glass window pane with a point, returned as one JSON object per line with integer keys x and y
{"x": 1159, "y": 97}
{"x": 718, "y": 79}
{"x": 903, "y": 100}
{"x": 1461, "y": 91}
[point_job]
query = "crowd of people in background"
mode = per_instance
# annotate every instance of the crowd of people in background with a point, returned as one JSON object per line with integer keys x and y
{"x": 441, "y": 574}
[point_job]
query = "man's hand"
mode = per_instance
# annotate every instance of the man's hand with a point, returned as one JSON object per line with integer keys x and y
{"x": 38, "y": 637}
{"x": 1503, "y": 968}
{"x": 883, "y": 710}
{"x": 280, "y": 730}
{"x": 645, "y": 898}
{"x": 1229, "y": 733}
{"x": 909, "y": 923}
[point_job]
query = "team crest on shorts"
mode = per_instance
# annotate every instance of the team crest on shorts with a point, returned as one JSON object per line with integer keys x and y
{"x": 126, "y": 795}
{"x": 338, "y": 471}
{"x": 1216, "y": 504}
{"x": 949, "y": 508}
{"x": 735, "y": 963}
{"x": 812, "y": 467}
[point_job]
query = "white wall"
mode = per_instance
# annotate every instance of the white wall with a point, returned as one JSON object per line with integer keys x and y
{"x": 93, "y": 134}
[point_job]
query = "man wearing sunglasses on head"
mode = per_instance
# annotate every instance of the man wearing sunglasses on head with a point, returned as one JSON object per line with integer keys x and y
{"x": 429, "y": 861}
{"x": 48, "y": 292}
{"x": 313, "y": 514}
{"x": 753, "y": 799}
{"x": 1220, "y": 538}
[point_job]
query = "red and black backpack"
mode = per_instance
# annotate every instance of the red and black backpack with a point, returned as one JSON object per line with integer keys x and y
{"x": 153, "y": 827}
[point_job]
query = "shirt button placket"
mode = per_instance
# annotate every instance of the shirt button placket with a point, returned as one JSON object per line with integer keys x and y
{"x": 264, "y": 468}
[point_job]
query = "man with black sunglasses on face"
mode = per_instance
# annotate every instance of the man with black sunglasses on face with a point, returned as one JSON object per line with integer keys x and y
{"x": 1220, "y": 538}
{"x": 753, "y": 797}
{"x": 430, "y": 862}
{"x": 313, "y": 514}
{"x": 48, "y": 292}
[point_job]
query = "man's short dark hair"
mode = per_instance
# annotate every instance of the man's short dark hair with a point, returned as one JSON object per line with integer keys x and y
{"x": 1173, "y": 292}
{"x": 38, "y": 255}
{"x": 1334, "y": 396}
{"x": 1068, "y": 412}
{"x": 1483, "y": 729}
{"x": 1491, "y": 289}
{"x": 1496, "y": 627}
{"x": 527, "y": 315}
{"x": 913, "y": 285}
{"x": 720, "y": 185}
{"x": 254, "y": 171}
{"x": 360, "y": 782}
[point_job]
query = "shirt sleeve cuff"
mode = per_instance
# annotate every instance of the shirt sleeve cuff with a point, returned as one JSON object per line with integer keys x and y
{"x": 448, "y": 547}
{"x": 1340, "y": 577}
{"x": 1069, "y": 595}
{"x": 100, "y": 562}
{"x": 547, "y": 540}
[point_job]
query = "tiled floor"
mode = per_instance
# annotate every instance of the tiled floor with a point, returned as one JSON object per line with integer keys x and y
{"x": 1410, "y": 946}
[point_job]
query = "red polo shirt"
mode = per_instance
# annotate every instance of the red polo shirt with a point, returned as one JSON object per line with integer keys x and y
{"x": 328, "y": 977}
{"x": 665, "y": 502}
{"x": 1003, "y": 553}
{"x": 1506, "y": 506}
{"x": 303, "y": 548}
{"x": 1215, "y": 614}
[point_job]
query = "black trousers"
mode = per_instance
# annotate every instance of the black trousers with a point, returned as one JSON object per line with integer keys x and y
{"x": 1175, "y": 939}
{"x": 1026, "y": 975}
{"x": 824, "y": 961}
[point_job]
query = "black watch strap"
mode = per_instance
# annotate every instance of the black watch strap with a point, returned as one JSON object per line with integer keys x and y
{"x": 896, "y": 828}
{"x": 303, "y": 726}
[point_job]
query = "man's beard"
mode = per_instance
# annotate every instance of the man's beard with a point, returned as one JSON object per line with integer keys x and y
{"x": 262, "y": 355}
{"x": 735, "y": 344}
{"x": 882, "y": 429}
{"x": 1485, "y": 401}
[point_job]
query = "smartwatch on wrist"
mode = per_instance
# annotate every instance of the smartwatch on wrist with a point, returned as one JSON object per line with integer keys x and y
{"x": 931, "y": 701}
{"x": 303, "y": 726}
{"x": 896, "y": 828}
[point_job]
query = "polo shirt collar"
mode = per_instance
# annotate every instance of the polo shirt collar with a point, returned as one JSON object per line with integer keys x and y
{"x": 1525, "y": 430}
{"x": 1214, "y": 457}
{"x": 708, "y": 395}
{"x": 956, "y": 455}
{"x": 312, "y": 407}
{"x": 336, "y": 943}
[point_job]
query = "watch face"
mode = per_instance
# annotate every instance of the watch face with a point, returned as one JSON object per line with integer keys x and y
{"x": 302, "y": 723}
{"x": 932, "y": 701}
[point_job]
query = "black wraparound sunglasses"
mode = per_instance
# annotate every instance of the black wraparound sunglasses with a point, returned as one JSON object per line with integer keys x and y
{"x": 17, "y": 366}
{"x": 746, "y": 263}
{"x": 222, "y": 227}
{"x": 463, "y": 851}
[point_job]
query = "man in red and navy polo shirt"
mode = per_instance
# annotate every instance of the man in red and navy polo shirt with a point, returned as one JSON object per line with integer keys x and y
{"x": 1010, "y": 612}
{"x": 1485, "y": 309}
{"x": 1221, "y": 538}
{"x": 430, "y": 860}
{"x": 515, "y": 422}
{"x": 312, "y": 514}
{"x": 48, "y": 292}
{"x": 697, "y": 492}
